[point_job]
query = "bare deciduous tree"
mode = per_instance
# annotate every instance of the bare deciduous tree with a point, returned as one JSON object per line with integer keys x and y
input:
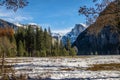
{"x": 91, "y": 13}
{"x": 4, "y": 33}
{"x": 13, "y": 4}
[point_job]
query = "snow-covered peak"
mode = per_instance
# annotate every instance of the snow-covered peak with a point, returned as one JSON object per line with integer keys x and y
{"x": 73, "y": 34}
{"x": 77, "y": 29}
{"x": 84, "y": 25}
{"x": 34, "y": 25}
{"x": 18, "y": 24}
{"x": 57, "y": 35}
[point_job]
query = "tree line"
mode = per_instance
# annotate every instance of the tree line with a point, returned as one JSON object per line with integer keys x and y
{"x": 36, "y": 42}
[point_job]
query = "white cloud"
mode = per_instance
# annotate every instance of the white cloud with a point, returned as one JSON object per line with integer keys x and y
{"x": 3, "y": 14}
{"x": 13, "y": 16}
{"x": 20, "y": 18}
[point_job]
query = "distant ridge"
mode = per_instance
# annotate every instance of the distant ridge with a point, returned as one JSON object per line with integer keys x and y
{"x": 4, "y": 24}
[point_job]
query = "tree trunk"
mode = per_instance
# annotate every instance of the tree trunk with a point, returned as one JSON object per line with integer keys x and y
{"x": 3, "y": 61}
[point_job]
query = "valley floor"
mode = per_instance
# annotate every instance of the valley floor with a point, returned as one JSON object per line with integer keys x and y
{"x": 68, "y": 68}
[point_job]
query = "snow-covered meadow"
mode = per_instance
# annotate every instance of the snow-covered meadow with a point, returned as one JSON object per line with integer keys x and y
{"x": 66, "y": 67}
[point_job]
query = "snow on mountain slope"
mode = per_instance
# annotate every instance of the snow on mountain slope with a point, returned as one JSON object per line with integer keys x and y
{"x": 73, "y": 34}
{"x": 34, "y": 25}
{"x": 18, "y": 24}
{"x": 57, "y": 35}
{"x": 4, "y": 24}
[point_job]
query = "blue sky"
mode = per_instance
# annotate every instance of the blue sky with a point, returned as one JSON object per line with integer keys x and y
{"x": 59, "y": 15}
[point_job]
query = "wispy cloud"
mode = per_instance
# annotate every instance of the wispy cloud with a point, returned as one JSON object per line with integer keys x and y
{"x": 3, "y": 14}
{"x": 14, "y": 16}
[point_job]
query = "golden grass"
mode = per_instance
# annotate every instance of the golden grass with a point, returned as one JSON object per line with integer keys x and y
{"x": 67, "y": 69}
{"x": 110, "y": 66}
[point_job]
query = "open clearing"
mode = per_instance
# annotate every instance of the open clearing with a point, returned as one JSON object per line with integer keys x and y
{"x": 76, "y": 68}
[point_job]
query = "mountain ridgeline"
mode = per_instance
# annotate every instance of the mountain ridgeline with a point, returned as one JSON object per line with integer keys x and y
{"x": 103, "y": 36}
{"x": 4, "y": 24}
{"x": 72, "y": 35}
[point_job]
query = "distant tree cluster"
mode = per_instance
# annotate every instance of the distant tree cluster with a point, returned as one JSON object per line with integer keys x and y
{"x": 36, "y": 42}
{"x": 32, "y": 42}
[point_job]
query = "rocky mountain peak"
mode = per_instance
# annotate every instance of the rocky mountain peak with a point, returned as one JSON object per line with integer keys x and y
{"x": 73, "y": 34}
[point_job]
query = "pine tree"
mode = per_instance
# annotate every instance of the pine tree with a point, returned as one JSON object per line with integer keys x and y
{"x": 30, "y": 38}
{"x": 55, "y": 49}
{"x": 68, "y": 44}
{"x": 20, "y": 49}
{"x": 47, "y": 42}
{"x": 61, "y": 47}
{"x": 38, "y": 39}
{"x": 49, "y": 31}
{"x": 41, "y": 43}
{"x": 65, "y": 52}
{"x": 72, "y": 52}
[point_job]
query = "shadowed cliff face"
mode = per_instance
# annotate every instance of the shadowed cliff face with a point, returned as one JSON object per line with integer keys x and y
{"x": 102, "y": 37}
{"x": 106, "y": 42}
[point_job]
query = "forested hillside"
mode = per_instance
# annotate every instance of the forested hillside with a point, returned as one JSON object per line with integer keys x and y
{"x": 33, "y": 42}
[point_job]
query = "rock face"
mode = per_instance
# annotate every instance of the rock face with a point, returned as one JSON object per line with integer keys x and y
{"x": 106, "y": 42}
{"x": 73, "y": 34}
{"x": 102, "y": 37}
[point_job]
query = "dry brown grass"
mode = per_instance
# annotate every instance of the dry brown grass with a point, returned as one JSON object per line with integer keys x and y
{"x": 111, "y": 66}
{"x": 67, "y": 69}
{"x": 7, "y": 69}
{"x": 13, "y": 77}
{"x": 6, "y": 66}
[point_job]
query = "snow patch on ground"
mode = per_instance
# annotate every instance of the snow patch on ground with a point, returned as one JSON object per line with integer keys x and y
{"x": 67, "y": 68}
